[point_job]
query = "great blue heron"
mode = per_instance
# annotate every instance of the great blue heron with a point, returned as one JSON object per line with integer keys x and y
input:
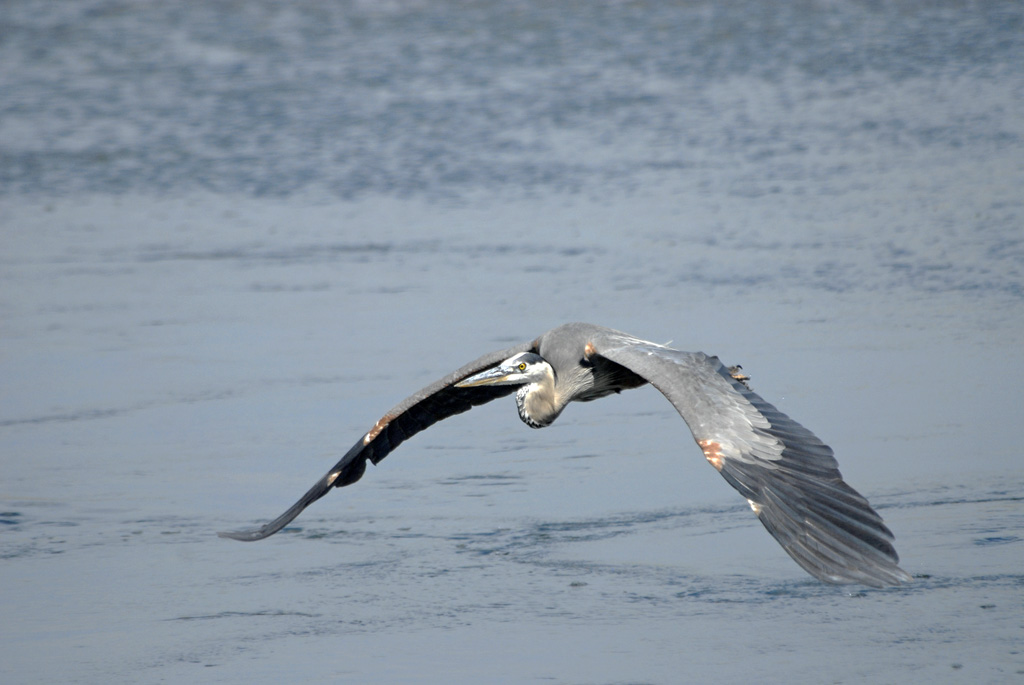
{"x": 787, "y": 475}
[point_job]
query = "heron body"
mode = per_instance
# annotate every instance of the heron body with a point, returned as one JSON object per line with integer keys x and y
{"x": 788, "y": 476}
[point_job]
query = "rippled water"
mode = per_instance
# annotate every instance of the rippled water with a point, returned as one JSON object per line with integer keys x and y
{"x": 234, "y": 234}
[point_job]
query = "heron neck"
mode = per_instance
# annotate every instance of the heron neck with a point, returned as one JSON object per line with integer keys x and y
{"x": 538, "y": 403}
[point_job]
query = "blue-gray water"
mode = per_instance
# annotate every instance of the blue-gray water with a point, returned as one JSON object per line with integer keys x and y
{"x": 233, "y": 234}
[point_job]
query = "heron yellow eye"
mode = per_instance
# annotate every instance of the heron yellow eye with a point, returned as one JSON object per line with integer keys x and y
{"x": 522, "y": 366}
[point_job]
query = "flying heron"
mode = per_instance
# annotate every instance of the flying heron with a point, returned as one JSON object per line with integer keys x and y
{"x": 788, "y": 476}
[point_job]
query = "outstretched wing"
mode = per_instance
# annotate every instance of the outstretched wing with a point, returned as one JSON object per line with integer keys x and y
{"x": 433, "y": 403}
{"x": 789, "y": 477}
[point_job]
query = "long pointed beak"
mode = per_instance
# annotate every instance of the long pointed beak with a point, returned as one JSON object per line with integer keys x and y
{"x": 499, "y": 375}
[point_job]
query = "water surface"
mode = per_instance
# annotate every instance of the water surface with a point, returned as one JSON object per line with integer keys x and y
{"x": 234, "y": 235}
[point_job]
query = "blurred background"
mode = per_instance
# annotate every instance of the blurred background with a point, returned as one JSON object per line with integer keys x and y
{"x": 233, "y": 234}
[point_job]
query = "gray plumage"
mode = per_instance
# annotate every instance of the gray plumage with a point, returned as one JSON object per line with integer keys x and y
{"x": 788, "y": 476}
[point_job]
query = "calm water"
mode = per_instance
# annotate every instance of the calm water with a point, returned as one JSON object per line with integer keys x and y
{"x": 234, "y": 234}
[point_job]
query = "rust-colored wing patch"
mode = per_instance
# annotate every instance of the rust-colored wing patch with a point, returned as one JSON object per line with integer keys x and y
{"x": 713, "y": 453}
{"x": 378, "y": 427}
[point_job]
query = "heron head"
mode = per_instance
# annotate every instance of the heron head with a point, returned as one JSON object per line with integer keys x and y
{"x": 522, "y": 369}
